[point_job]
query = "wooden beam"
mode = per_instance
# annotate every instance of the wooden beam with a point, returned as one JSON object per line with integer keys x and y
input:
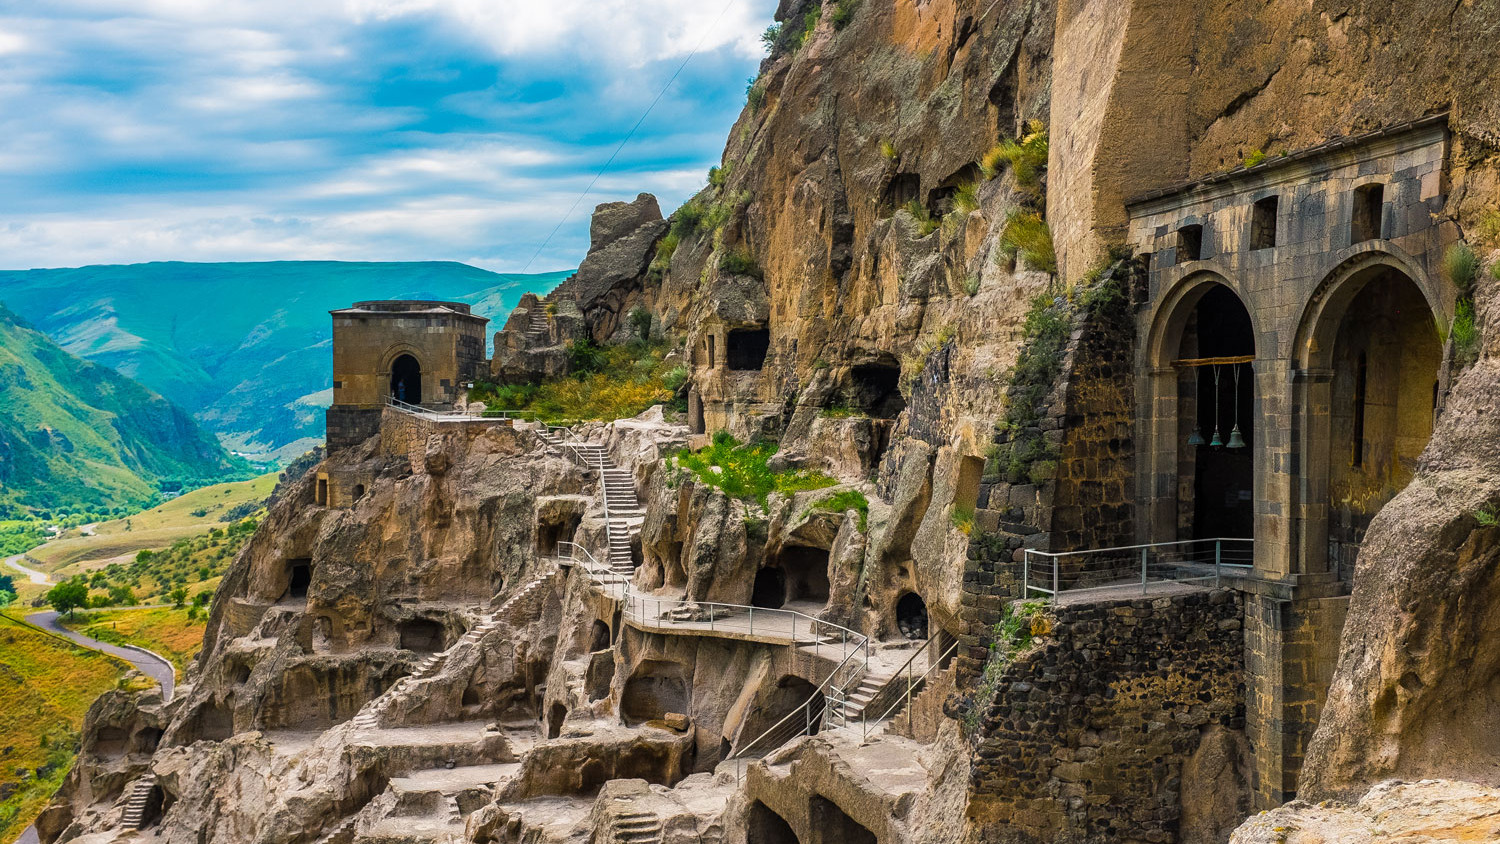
{"x": 1189, "y": 362}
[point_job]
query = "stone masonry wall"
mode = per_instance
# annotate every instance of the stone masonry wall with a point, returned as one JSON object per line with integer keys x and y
{"x": 1095, "y": 735}
{"x": 1086, "y": 503}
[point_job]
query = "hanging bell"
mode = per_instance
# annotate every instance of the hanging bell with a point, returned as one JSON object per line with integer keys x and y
{"x": 1217, "y": 441}
{"x": 1197, "y": 437}
{"x": 1236, "y": 439}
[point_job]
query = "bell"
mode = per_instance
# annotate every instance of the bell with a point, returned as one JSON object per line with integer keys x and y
{"x": 1197, "y": 437}
{"x": 1236, "y": 440}
{"x": 1217, "y": 441}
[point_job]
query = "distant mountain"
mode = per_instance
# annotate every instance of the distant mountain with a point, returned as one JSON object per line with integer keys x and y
{"x": 244, "y": 347}
{"x": 77, "y": 435}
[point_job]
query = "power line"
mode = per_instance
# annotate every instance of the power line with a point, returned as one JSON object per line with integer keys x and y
{"x": 630, "y": 134}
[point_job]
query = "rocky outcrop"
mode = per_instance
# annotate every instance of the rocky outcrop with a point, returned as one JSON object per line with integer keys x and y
{"x": 1393, "y": 812}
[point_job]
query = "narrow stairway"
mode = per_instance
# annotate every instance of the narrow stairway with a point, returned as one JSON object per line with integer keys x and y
{"x": 335, "y": 835}
{"x": 539, "y": 323}
{"x": 637, "y": 828}
{"x": 369, "y": 716}
{"x": 140, "y": 798}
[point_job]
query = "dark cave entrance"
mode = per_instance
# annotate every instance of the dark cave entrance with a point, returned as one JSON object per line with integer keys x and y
{"x": 422, "y": 635}
{"x": 805, "y": 573}
{"x": 406, "y": 380}
{"x": 790, "y": 695}
{"x": 599, "y": 637}
{"x": 769, "y": 591}
{"x": 299, "y": 577}
{"x": 767, "y": 827}
{"x": 875, "y": 389}
{"x": 834, "y": 826}
{"x": 911, "y": 616}
{"x": 654, "y": 689}
{"x": 555, "y": 719}
{"x": 746, "y": 349}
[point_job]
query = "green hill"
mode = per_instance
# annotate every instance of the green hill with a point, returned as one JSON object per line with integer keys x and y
{"x": 244, "y": 347}
{"x": 79, "y": 436}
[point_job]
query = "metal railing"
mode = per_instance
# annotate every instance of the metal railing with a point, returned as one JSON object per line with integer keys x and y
{"x": 465, "y": 415}
{"x": 914, "y": 685}
{"x": 810, "y": 717}
{"x": 1201, "y": 561}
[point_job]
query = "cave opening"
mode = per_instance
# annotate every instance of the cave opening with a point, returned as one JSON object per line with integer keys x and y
{"x": 834, "y": 826}
{"x": 599, "y": 637}
{"x": 911, "y": 616}
{"x": 769, "y": 591}
{"x": 767, "y": 827}
{"x": 655, "y": 688}
{"x": 299, "y": 578}
{"x": 804, "y": 573}
{"x": 555, "y": 719}
{"x": 875, "y": 389}
{"x": 422, "y": 635}
{"x": 746, "y": 349}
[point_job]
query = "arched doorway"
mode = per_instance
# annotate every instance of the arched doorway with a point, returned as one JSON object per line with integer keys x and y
{"x": 406, "y": 380}
{"x": 1372, "y": 361}
{"x": 1216, "y": 404}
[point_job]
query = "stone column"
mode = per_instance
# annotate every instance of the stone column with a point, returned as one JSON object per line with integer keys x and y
{"x": 1274, "y": 474}
{"x": 1156, "y": 476}
{"x": 1312, "y": 440}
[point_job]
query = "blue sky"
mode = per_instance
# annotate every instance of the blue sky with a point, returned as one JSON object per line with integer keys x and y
{"x": 232, "y": 130}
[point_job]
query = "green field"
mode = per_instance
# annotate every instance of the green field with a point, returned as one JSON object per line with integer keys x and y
{"x": 47, "y": 685}
{"x": 187, "y": 516}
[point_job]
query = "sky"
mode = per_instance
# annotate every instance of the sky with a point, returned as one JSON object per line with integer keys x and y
{"x": 379, "y": 130}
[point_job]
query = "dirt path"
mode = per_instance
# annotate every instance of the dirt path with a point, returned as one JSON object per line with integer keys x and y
{"x": 37, "y": 577}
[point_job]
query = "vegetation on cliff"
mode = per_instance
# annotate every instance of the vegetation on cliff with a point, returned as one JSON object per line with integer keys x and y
{"x": 607, "y": 383}
{"x": 744, "y": 471}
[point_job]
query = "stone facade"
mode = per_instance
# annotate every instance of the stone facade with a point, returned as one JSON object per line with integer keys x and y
{"x": 1097, "y": 733}
{"x": 431, "y": 349}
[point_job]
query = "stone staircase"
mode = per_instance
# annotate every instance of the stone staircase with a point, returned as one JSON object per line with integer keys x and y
{"x": 539, "y": 324}
{"x": 636, "y": 828}
{"x": 620, "y": 501}
{"x": 340, "y": 834}
{"x": 140, "y": 799}
{"x": 369, "y": 716}
{"x": 868, "y": 689}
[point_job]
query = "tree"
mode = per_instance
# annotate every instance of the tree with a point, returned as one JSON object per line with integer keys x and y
{"x": 7, "y": 584}
{"x": 202, "y": 598}
{"x": 179, "y": 597}
{"x": 7, "y": 598}
{"x": 69, "y": 595}
{"x": 122, "y": 596}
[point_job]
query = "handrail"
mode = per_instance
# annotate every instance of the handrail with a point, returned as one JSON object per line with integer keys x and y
{"x": 1175, "y": 563}
{"x": 818, "y": 694}
{"x": 911, "y": 683}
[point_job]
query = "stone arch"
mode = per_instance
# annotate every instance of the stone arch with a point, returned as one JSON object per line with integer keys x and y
{"x": 764, "y": 826}
{"x": 397, "y": 353}
{"x": 1176, "y": 399}
{"x": 1368, "y": 382}
{"x": 774, "y": 703}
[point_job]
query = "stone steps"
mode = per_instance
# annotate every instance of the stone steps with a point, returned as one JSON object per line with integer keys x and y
{"x": 368, "y": 717}
{"x": 637, "y": 828}
{"x": 334, "y": 835}
{"x": 140, "y": 798}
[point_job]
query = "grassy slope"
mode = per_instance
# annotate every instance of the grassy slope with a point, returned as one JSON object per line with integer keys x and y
{"x": 76, "y": 435}
{"x": 153, "y": 529}
{"x": 47, "y": 685}
{"x": 252, "y": 368}
{"x": 165, "y": 631}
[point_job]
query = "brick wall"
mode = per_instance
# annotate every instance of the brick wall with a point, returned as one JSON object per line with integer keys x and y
{"x": 1089, "y": 734}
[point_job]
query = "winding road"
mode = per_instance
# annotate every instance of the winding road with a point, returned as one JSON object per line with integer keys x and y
{"x": 37, "y": 577}
{"x": 144, "y": 661}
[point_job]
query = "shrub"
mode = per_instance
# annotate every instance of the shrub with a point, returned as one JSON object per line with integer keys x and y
{"x": 1465, "y": 334}
{"x": 1487, "y": 517}
{"x": 640, "y": 322}
{"x": 810, "y": 22}
{"x": 1026, "y": 234}
{"x": 743, "y": 471}
{"x": 1018, "y": 625}
{"x": 919, "y": 214}
{"x": 966, "y": 200}
{"x": 689, "y": 217}
{"x": 971, "y": 284}
{"x": 888, "y": 151}
{"x": 1027, "y": 456}
{"x": 739, "y": 261}
{"x": 1026, "y": 157}
{"x": 1255, "y": 157}
{"x": 843, "y": 13}
{"x": 665, "y": 249}
{"x": 1487, "y": 229}
{"x": 1461, "y": 266}
{"x": 585, "y": 357}
{"x": 770, "y": 37}
{"x": 676, "y": 377}
{"x": 962, "y": 517}
{"x": 843, "y": 502}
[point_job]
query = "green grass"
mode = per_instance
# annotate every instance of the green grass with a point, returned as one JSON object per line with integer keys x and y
{"x": 843, "y": 502}
{"x": 1025, "y": 156}
{"x": 843, "y": 13}
{"x": 169, "y": 632}
{"x": 1027, "y": 235}
{"x": 966, "y": 200}
{"x": 739, "y": 261}
{"x": 196, "y": 563}
{"x": 618, "y": 382}
{"x": 962, "y": 517}
{"x": 742, "y": 471}
{"x": 47, "y": 684}
{"x": 1255, "y": 157}
{"x": 1461, "y": 266}
{"x": 926, "y": 225}
{"x": 1465, "y": 334}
